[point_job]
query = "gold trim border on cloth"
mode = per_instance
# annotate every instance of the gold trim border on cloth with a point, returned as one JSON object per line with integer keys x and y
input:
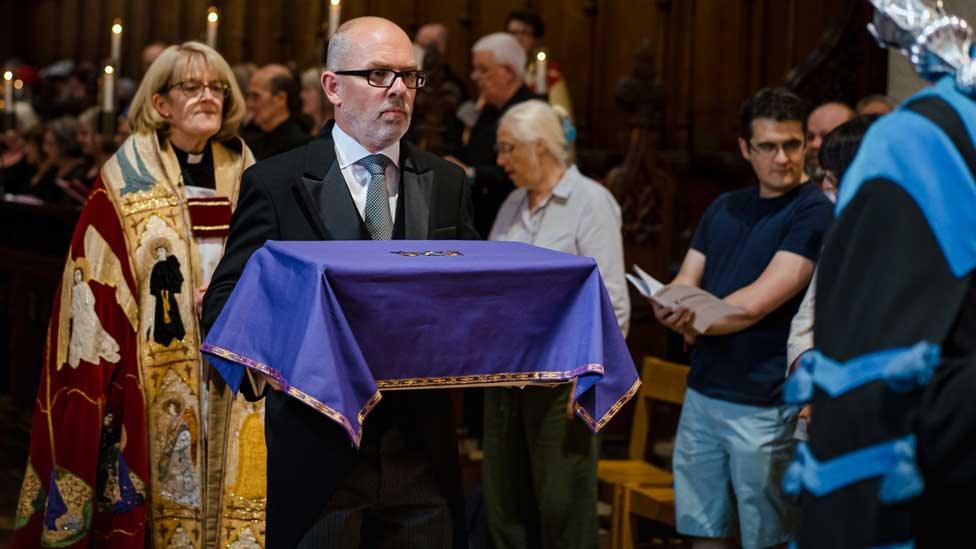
{"x": 500, "y": 379}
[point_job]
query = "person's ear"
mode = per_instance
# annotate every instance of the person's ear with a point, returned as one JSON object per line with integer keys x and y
{"x": 162, "y": 106}
{"x": 330, "y": 85}
{"x": 744, "y": 149}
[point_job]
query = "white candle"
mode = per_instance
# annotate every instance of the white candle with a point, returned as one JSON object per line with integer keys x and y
{"x": 335, "y": 14}
{"x": 541, "y": 69}
{"x": 116, "y": 40}
{"x": 8, "y": 91}
{"x": 108, "y": 89}
{"x": 212, "y": 18}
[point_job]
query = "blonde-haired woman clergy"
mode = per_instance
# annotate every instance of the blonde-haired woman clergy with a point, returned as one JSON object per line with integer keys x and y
{"x": 102, "y": 447}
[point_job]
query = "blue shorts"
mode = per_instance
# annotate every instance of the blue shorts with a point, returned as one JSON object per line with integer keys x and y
{"x": 729, "y": 460}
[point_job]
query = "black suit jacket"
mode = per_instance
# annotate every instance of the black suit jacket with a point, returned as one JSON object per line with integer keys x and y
{"x": 301, "y": 195}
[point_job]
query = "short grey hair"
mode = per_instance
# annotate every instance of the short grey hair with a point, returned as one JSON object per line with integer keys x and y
{"x": 506, "y": 49}
{"x": 536, "y": 121}
{"x": 339, "y": 46}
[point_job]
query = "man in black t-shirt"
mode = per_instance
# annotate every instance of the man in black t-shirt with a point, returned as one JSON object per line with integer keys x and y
{"x": 755, "y": 248}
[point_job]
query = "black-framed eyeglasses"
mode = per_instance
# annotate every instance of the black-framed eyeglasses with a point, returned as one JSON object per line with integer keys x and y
{"x": 384, "y": 78}
{"x": 193, "y": 88}
{"x": 769, "y": 149}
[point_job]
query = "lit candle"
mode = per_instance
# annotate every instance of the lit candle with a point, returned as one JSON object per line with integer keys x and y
{"x": 335, "y": 12}
{"x": 116, "y": 40}
{"x": 8, "y": 91}
{"x": 108, "y": 89}
{"x": 540, "y": 73}
{"x": 212, "y": 17}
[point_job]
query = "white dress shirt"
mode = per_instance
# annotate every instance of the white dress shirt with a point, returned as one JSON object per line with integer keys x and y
{"x": 348, "y": 153}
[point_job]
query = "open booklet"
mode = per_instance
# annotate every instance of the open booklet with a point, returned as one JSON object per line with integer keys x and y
{"x": 707, "y": 307}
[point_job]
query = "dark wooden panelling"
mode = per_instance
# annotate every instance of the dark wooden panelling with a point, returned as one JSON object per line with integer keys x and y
{"x": 710, "y": 54}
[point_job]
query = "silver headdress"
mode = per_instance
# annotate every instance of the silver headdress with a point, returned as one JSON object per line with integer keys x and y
{"x": 936, "y": 43}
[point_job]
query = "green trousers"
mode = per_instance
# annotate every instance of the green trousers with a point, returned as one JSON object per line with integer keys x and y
{"x": 539, "y": 471}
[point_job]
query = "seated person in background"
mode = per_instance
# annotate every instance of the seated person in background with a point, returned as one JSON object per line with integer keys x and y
{"x": 96, "y": 147}
{"x": 16, "y": 169}
{"x": 533, "y": 452}
{"x": 315, "y": 105}
{"x": 755, "y": 248}
{"x": 273, "y": 102}
{"x": 60, "y": 178}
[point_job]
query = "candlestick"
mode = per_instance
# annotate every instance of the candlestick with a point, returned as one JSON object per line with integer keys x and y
{"x": 335, "y": 14}
{"x": 116, "y": 40}
{"x": 108, "y": 89}
{"x": 541, "y": 69}
{"x": 212, "y": 17}
{"x": 8, "y": 91}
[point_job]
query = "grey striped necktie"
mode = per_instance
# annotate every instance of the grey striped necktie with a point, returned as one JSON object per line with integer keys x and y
{"x": 379, "y": 221}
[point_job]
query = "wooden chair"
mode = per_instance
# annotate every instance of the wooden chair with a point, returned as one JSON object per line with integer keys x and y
{"x": 661, "y": 381}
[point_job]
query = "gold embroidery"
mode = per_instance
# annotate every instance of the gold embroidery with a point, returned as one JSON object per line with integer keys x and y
{"x": 503, "y": 378}
{"x": 75, "y": 519}
{"x": 116, "y": 531}
{"x": 31, "y": 498}
{"x": 597, "y": 425}
{"x": 245, "y": 539}
{"x": 512, "y": 378}
{"x": 210, "y": 227}
{"x": 165, "y": 294}
{"x": 198, "y": 203}
{"x": 154, "y": 206}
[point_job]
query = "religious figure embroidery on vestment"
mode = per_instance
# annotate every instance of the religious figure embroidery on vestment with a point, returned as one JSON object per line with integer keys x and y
{"x": 89, "y": 340}
{"x": 31, "y": 497}
{"x": 68, "y": 510}
{"x": 176, "y": 468}
{"x": 119, "y": 489}
{"x": 81, "y": 334}
{"x": 165, "y": 282}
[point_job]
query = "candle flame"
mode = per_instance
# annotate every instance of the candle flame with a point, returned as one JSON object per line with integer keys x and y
{"x": 212, "y": 14}
{"x": 334, "y": 2}
{"x": 8, "y": 75}
{"x": 541, "y": 56}
{"x": 109, "y": 69}
{"x": 117, "y": 27}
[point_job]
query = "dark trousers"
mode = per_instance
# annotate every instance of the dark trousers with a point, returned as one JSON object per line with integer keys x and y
{"x": 400, "y": 488}
{"x": 390, "y": 499}
{"x": 539, "y": 472}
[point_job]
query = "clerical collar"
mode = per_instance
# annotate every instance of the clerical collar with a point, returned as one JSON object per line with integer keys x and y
{"x": 192, "y": 158}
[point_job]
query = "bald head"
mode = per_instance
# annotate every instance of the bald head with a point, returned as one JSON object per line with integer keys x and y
{"x": 433, "y": 35}
{"x": 355, "y": 40}
{"x": 272, "y": 96}
{"x": 373, "y": 115}
{"x": 822, "y": 121}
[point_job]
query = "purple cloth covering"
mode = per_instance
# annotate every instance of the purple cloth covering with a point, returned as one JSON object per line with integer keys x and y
{"x": 335, "y": 323}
